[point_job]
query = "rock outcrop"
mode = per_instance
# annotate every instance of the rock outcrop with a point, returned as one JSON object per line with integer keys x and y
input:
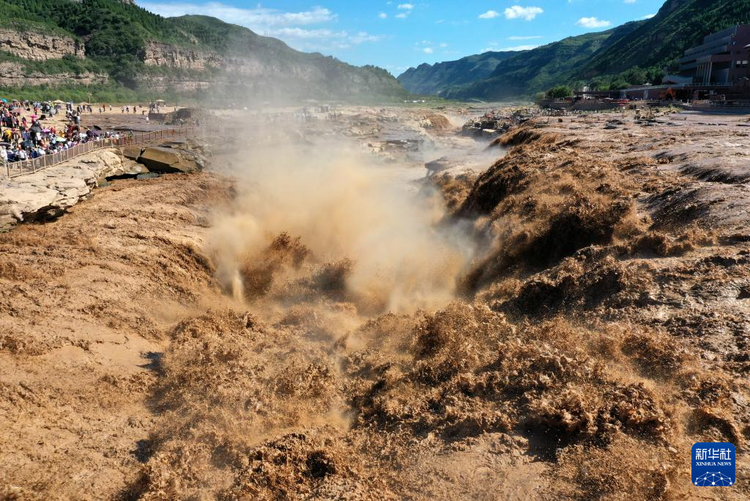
{"x": 185, "y": 58}
{"x": 168, "y": 160}
{"x": 49, "y": 193}
{"x": 14, "y": 75}
{"x": 268, "y": 70}
{"x": 185, "y": 54}
{"x": 184, "y": 156}
{"x": 39, "y": 46}
{"x": 182, "y": 84}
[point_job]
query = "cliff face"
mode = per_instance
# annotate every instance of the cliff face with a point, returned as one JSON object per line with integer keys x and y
{"x": 143, "y": 51}
{"x": 14, "y": 75}
{"x": 261, "y": 73}
{"x": 188, "y": 58}
{"x": 185, "y": 58}
{"x": 39, "y": 46}
{"x": 179, "y": 84}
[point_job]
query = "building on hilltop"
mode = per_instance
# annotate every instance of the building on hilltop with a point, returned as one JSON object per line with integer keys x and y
{"x": 722, "y": 58}
{"x": 716, "y": 71}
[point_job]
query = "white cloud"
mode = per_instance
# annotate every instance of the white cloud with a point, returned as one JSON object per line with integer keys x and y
{"x": 292, "y": 27}
{"x": 383, "y": 15}
{"x": 406, "y": 8}
{"x": 258, "y": 18}
{"x": 510, "y": 49}
{"x": 629, "y": 1}
{"x": 592, "y": 22}
{"x": 428, "y": 50}
{"x": 322, "y": 38}
{"x": 649, "y": 16}
{"x": 363, "y": 37}
{"x": 303, "y": 34}
{"x": 534, "y": 37}
{"x": 526, "y": 13}
{"x": 490, "y": 14}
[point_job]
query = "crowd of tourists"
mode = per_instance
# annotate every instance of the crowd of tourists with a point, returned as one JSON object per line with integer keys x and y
{"x": 24, "y": 135}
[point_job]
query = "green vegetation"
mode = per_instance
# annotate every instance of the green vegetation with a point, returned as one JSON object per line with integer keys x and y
{"x": 68, "y": 64}
{"x": 224, "y": 38}
{"x": 633, "y": 54}
{"x": 559, "y": 92}
{"x": 431, "y": 79}
{"x": 115, "y": 33}
{"x": 539, "y": 69}
{"x": 633, "y": 76}
{"x": 37, "y": 26}
{"x": 116, "y": 36}
{"x": 661, "y": 41}
{"x": 110, "y": 93}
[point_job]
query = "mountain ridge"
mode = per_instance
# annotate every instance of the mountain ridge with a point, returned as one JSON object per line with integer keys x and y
{"x": 634, "y": 53}
{"x": 128, "y": 46}
{"x": 527, "y": 72}
{"x": 661, "y": 40}
{"x": 427, "y": 78}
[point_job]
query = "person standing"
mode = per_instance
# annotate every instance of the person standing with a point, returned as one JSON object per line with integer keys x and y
{"x": 4, "y": 158}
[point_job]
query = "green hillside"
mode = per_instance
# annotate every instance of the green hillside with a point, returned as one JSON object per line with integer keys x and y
{"x": 635, "y": 53}
{"x": 661, "y": 41}
{"x": 539, "y": 69}
{"x": 432, "y": 79}
{"x": 116, "y": 35}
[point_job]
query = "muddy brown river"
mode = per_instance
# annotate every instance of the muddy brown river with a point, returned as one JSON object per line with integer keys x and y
{"x": 315, "y": 318}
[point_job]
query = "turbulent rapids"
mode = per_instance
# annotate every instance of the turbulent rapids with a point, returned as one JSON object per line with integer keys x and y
{"x": 315, "y": 318}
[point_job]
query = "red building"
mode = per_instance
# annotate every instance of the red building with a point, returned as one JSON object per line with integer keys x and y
{"x": 722, "y": 58}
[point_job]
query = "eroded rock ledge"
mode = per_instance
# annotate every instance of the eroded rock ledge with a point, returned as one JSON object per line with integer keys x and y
{"x": 49, "y": 193}
{"x": 39, "y": 46}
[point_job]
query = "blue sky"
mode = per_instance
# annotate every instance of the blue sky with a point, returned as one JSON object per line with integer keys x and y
{"x": 398, "y": 34}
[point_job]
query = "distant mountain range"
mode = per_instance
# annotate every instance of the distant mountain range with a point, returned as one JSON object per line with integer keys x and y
{"x": 431, "y": 79}
{"x": 607, "y": 57}
{"x": 115, "y": 42}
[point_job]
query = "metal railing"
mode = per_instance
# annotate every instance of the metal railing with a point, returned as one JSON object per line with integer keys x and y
{"x": 127, "y": 138}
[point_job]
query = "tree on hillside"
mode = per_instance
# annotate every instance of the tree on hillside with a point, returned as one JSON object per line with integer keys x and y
{"x": 559, "y": 92}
